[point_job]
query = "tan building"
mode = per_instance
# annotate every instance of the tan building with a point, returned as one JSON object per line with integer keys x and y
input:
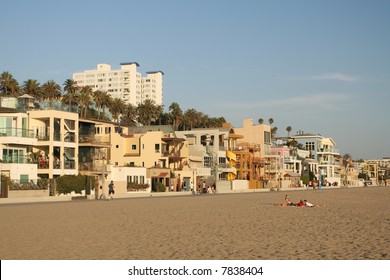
{"x": 57, "y": 141}
{"x": 16, "y": 162}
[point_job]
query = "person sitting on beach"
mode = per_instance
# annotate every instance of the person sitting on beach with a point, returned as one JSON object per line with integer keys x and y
{"x": 288, "y": 201}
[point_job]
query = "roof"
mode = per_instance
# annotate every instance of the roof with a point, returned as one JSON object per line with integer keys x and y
{"x": 129, "y": 63}
{"x": 291, "y": 174}
{"x": 154, "y": 72}
{"x": 144, "y": 129}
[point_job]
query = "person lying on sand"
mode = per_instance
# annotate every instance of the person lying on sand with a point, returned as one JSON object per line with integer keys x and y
{"x": 301, "y": 203}
{"x": 308, "y": 204}
{"x": 287, "y": 200}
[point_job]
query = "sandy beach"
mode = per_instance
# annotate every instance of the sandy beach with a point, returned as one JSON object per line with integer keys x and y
{"x": 353, "y": 224}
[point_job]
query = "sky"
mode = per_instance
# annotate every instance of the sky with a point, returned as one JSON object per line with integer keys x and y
{"x": 321, "y": 67}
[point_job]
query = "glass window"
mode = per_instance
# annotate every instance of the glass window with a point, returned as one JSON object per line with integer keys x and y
{"x": 23, "y": 178}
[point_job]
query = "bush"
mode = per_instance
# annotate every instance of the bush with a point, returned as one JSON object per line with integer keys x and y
{"x": 158, "y": 187}
{"x": 71, "y": 183}
{"x": 131, "y": 187}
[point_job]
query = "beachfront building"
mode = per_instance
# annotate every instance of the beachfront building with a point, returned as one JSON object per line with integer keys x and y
{"x": 207, "y": 153}
{"x": 125, "y": 83}
{"x": 16, "y": 162}
{"x": 159, "y": 149}
{"x": 322, "y": 150}
{"x": 290, "y": 166}
{"x": 257, "y": 137}
{"x": 376, "y": 171}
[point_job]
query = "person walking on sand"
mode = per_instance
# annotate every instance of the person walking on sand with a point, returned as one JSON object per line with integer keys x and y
{"x": 111, "y": 190}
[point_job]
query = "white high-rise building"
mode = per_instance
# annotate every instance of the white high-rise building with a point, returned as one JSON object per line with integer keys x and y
{"x": 125, "y": 83}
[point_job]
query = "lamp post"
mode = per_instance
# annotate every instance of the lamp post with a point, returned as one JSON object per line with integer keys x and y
{"x": 104, "y": 188}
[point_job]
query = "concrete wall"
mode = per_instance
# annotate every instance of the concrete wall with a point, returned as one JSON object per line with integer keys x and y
{"x": 28, "y": 193}
{"x": 240, "y": 185}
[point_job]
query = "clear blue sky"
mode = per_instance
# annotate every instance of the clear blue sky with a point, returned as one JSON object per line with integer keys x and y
{"x": 318, "y": 66}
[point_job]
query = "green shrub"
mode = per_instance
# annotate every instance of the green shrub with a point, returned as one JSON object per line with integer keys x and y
{"x": 131, "y": 187}
{"x": 68, "y": 183}
{"x": 158, "y": 187}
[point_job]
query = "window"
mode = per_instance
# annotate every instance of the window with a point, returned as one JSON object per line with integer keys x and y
{"x": 134, "y": 147}
{"x": 157, "y": 148}
{"x": 207, "y": 162}
{"x": 23, "y": 178}
{"x": 117, "y": 146}
{"x": 142, "y": 179}
{"x": 267, "y": 137}
{"x": 129, "y": 179}
{"x": 310, "y": 146}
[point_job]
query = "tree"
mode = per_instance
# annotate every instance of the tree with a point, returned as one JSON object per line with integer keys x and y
{"x": 273, "y": 132}
{"x": 51, "y": 91}
{"x": 216, "y": 122}
{"x": 191, "y": 119}
{"x": 260, "y": 121}
{"x": 117, "y": 108}
{"x": 271, "y": 121}
{"x": 102, "y": 101}
{"x": 177, "y": 115}
{"x": 71, "y": 88}
{"x": 288, "y": 130}
{"x": 8, "y": 85}
{"x": 148, "y": 111}
{"x": 33, "y": 88}
{"x": 84, "y": 100}
{"x": 129, "y": 115}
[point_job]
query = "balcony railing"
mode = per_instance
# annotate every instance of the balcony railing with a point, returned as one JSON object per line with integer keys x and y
{"x": 16, "y": 132}
{"x": 92, "y": 139}
{"x": 17, "y": 159}
{"x": 328, "y": 151}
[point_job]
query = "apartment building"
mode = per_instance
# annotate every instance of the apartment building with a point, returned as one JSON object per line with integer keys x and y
{"x": 57, "y": 147}
{"x": 125, "y": 83}
{"x": 323, "y": 150}
{"x": 16, "y": 143}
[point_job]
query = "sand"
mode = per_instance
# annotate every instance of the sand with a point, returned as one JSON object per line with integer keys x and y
{"x": 353, "y": 224}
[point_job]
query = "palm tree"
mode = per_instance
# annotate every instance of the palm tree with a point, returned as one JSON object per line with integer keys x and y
{"x": 177, "y": 115}
{"x": 51, "y": 91}
{"x": 106, "y": 101}
{"x": 288, "y": 130}
{"x": 191, "y": 119}
{"x": 273, "y": 132}
{"x": 33, "y": 88}
{"x": 84, "y": 100}
{"x": 71, "y": 88}
{"x": 102, "y": 101}
{"x": 261, "y": 121}
{"x": 148, "y": 111}
{"x": 117, "y": 108}
{"x": 271, "y": 121}
{"x": 8, "y": 85}
{"x": 130, "y": 115}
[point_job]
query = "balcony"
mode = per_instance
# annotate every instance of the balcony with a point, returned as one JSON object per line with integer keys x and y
{"x": 93, "y": 139}
{"x": 328, "y": 151}
{"x": 19, "y": 159}
{"x": 16, "y": 132}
